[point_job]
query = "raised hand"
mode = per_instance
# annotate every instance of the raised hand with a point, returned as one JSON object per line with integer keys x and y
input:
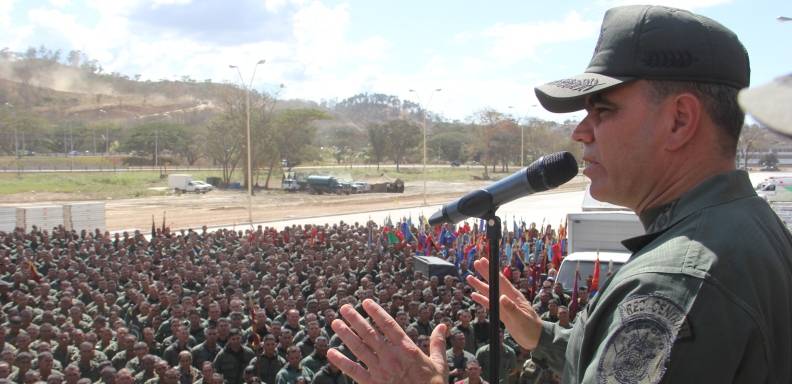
{"x": 386, "y": 351}
{"x": 516, "y": 312}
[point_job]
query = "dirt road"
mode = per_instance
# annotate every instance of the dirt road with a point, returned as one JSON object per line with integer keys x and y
{"x": 227, "y": 207}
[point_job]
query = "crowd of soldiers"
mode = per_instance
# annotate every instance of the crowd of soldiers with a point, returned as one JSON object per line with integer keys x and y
{"x": 235, "y": 306}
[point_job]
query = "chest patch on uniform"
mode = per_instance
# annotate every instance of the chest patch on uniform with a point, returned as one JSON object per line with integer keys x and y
{"x": 639, "y": 349}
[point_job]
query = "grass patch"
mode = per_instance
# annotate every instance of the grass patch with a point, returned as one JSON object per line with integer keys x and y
{"x": 118, "y": 185}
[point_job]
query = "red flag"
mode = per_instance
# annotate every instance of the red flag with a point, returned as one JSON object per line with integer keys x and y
{"x": 573, "y": 302}
{"x": 595, "y": 280}
{"x": 33, "y": 272}
{"x": 556, "y": 251}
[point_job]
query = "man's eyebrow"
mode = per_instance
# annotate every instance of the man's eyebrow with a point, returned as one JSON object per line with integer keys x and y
{"x": 598, "y": 98}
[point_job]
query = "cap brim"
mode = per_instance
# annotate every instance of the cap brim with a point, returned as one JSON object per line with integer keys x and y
{"x": 770, "y": 104}
{"x": 569, "y": 95}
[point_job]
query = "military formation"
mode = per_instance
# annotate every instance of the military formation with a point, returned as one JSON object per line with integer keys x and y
{"x": 231, "y": 306}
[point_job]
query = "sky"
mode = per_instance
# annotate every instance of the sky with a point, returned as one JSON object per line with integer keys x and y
{"x": 479, "y": 54}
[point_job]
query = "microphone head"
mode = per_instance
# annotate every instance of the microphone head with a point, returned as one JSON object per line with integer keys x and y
{"x": 551, "y": 171}
{"x": 438, "y": 217}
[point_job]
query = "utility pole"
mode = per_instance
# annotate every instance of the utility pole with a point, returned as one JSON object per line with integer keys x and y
{"x": 107, "y": 135}
{"x": 16, "y": 134}
{"x": 425, "y": 110}
{"x": 248, "y": 89}
{"x": 156, "y": 147}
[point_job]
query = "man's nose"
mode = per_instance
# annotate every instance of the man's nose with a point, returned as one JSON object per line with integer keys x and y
{"x": 583, "y": 132}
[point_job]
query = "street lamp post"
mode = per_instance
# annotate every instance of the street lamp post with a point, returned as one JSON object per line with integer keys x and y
{"x": 522, "y": 138}
{"x": 16, "y": 134}
{"x": 247, "y": 113}
{"x": 107, "y": 135}
{"x": 426, "y": 109}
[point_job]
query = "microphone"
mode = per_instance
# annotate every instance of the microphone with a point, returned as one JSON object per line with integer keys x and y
{"x": 546, "y": 173}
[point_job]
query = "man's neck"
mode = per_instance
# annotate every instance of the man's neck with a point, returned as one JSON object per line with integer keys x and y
{"x": 681, "y": 178}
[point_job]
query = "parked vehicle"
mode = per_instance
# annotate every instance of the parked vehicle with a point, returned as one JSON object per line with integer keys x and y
{"x": 775, "y": 189}
{"x": 324, "y": 184}
{"x": 181, "y": 183}
{"x": 597, "y": 233}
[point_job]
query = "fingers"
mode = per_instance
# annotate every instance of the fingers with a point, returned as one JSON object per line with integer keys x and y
{"x": 349, "y": 367}
{"x": 437, "y": 345}
{"x": 481, "y": 299}
{"x": 478, "y": 285}
{"x": 482, "y": 267}
{"x": 506, "y": 287}
{"x": 356, "y": 344}
{"x": 385, "y": 322}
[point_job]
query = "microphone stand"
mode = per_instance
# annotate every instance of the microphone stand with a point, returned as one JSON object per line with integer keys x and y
{"x": 493, "y": 238}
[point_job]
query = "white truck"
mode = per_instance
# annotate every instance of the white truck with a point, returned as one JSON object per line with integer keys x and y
{"x": 777, "y": 191}
{"x": 598, "y": 230}
{"x": 184, "y": 183}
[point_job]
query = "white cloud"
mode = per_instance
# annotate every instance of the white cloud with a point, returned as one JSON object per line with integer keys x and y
{"x": 6, "y": 6}
{"x": 322, "y": 61}
{"x": 158, "y": 3}
{"x": 60, "y": 3}
{"x": 515, "y": 42}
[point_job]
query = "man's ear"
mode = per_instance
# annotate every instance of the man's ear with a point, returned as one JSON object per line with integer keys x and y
{"x": 686, "y": 116}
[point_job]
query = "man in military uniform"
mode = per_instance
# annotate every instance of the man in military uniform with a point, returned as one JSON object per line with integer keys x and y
{"x": 269, "y": 362}
{"x": 318, "y": 358}
{"x": 88, "y": 363}
{"x": 659, "y": 137}
{"x": 233, "y": 359}
{"x": 293, "y": 370}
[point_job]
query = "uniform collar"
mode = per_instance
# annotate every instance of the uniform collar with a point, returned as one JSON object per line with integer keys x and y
{"x": 716, "y": 190}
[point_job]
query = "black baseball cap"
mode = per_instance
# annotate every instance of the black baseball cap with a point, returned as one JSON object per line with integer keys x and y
{"x": 653, "y": 43}
{"x": 770, "y": 104}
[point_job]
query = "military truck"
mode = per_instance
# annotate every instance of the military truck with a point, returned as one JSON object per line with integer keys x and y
{"x": 294, "y": 181}
{"x": 326, "y": 184}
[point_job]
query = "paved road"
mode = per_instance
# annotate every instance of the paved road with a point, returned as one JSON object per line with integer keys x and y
{"x": 549, "y": 206}
{"x": 66, "y": 169}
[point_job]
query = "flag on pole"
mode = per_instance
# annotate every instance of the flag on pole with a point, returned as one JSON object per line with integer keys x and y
{"x": 153, "y": 228}
{"x": 596, "y": 278}
{"x": 573, "y": 302}
{"x": 556, "y": 251}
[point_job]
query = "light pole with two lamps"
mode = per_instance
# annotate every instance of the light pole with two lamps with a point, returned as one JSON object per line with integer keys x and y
{"x": 426, "y": 109}
{"x": 247, "y": 89}
{"x": 522, "y": 138}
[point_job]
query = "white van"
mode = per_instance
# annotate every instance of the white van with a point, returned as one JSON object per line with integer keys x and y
{"x": 775, "y": 189}
{"x": 610, "y": 262}
{"x": 595, "y": 232}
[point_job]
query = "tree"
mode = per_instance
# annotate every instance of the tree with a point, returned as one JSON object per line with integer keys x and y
{"x": 151, "y": 138}
{"x": 224, "y": 144}
{"x": 751, "y": 139}
{"x": 404, "y": 137}
{"x": 769, "y": 160}
{"x": 344, "y": 140}
{"x": 449, "y": 146}
{"x": 378, "y": 141}
{"x": 505, "y": 143}
{"x": 481, "y": 146}
{"x": 293, "y": 133}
